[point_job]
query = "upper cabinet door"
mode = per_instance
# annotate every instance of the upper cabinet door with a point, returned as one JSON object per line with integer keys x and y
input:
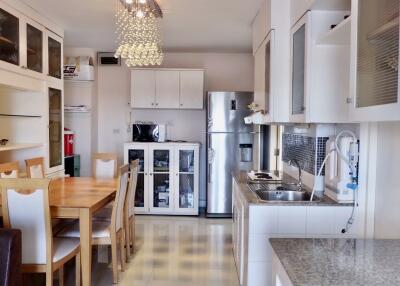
{"x": 375, "y": 61}
{"x": 143, "y": 88}
{"x": 34, "y": 47}
{"x": 260, "y": 77}
{"x": 55, "y": 55}
{"x": 10, "y": 29}
{"x": 299, "y": 72}
{"x": 167, "y": 89}
{"x": 191, "y": 90}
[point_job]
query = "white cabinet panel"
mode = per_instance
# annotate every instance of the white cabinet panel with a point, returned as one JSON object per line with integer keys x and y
{"x": 259, "y": 78}
{"x": 191, "y": 90}
{"x": 264, "y": 220}
{"x": 259, "y": 274}
{"x": 143, "y": 88}
{"x": 292, "y": 220}
{"x": 260, "y": 25}
{"x": 320, "y": 220}
{"x": 259, "y": 248}
{"x": 167, "y": 89}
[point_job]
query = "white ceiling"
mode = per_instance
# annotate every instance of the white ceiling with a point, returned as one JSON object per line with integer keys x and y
{"x": 188, "y": 25}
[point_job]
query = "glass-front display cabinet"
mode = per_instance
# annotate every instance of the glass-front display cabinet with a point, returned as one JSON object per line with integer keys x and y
{"x": 9, "y": 37}
{"x": 34, "y": 48}
{"x": 54, "y": 45}
{"x": 55, "y": 128}
{"x": 186, "y": 174}
{"x": 161, "y": 178}
{"x": 140, "y": 153}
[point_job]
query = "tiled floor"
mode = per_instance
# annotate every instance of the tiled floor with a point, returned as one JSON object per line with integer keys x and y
{"x": 175, "y": 251}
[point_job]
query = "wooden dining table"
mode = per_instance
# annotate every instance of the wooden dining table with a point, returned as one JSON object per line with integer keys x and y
{"x": 79, "y": 198}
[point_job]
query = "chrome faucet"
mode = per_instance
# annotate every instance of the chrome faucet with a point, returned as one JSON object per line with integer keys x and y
{"x": 296, "y": 163}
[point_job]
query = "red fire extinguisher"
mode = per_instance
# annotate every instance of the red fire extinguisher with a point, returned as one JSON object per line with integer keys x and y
{"x": 69, "y": 138}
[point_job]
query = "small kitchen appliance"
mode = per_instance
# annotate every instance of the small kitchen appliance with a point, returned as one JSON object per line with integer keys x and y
{"x": 262, "y": 177}
{"x": 339, "y": 175}
{"x": 148, "y": 132}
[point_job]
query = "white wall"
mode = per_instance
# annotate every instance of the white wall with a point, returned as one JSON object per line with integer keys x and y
{"x": 231, "y": 72}
{"x": 387, "y": 193}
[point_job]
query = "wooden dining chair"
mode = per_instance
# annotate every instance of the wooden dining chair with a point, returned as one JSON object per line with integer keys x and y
{"x": 105, "y": 165}
{"x": 25, "y": 206}
{"x": 9, "y": 170}
{"x": 129, "y": 209}
{"x": 35, "y": 168}
{"x": 109, "y": 232}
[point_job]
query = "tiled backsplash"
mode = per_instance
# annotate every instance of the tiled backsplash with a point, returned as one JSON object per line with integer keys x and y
{"x": 308, "y": 151}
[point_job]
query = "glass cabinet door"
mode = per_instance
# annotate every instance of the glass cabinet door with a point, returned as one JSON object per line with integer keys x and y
{"x": 298, "y": 70}
{"x": 140, "y": 195}
{"x": 34, "y": 49}
{"x": 186, "y": 179}
{"x": 161, "y": 179}
{"x": 55, "y": 59}
{"x": 378, "y": 53}
{"x": 9, "y": 38}
{"x": 55, "y": 127}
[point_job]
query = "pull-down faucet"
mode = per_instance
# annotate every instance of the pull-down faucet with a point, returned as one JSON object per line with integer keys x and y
{"x": 296, "y": 163}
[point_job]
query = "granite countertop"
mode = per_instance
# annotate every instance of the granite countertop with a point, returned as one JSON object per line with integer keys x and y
{"x": 242, "y": 180}
{"x": 339, "y": 262}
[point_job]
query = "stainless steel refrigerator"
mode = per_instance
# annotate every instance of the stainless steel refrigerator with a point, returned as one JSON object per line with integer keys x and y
{"x": 230, "y": 146}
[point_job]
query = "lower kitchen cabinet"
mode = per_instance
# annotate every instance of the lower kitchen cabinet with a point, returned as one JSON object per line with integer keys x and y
{"x": 255, "y": 224}
{"x": 168, "y": 180}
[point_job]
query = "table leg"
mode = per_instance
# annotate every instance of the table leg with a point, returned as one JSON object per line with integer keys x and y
{"x": 85, "y": 228}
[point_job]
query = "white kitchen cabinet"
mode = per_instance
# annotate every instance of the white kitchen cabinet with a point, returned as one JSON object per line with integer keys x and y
{"x": 271, "y": 64}
{"x": 191, "y": 93}
{"x": 167, "y": 89}
{"x": 260, "y": 80}
{"x": 374, "y": 61}
{"x": 143, "y": 88}
{"x": 22, "y": 43}
{"x": 319, "y": 72}
{"x": 168, "y": 181}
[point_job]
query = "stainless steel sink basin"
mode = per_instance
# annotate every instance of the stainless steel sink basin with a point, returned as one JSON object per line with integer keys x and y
{"x": 286, "y": 196}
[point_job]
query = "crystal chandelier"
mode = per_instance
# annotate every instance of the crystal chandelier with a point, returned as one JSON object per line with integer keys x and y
{"x": 138, "y": 33}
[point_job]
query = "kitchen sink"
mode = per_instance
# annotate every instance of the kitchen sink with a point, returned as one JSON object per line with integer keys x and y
{"x": 282, "y": 192}
{"x": 287, "y": 196}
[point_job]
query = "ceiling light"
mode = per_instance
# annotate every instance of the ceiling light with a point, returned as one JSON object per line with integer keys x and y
{"x": 138, "y": 34}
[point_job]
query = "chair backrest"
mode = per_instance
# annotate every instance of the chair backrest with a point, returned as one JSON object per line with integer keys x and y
{"x": 25, "y": 205}
{"x": 133, "y": 178}
{"x": 105, "y": 165}
{"x": 120, "y": 197}
{"x": 35, "y": 168}
{"x": 9, "y": 170}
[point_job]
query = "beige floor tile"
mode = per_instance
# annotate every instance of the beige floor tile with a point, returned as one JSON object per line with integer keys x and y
{"x": 176, "y": 251}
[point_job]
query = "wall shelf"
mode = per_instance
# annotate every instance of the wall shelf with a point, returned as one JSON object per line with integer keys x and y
{"x": 20, "y": 115}
{"x": 340, "y": 35}
{"x": 12, "y": 147}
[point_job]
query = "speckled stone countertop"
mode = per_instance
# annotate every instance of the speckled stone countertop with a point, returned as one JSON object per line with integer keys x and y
{"x": 242, "y": 180}
{"x": 339, "y": 262}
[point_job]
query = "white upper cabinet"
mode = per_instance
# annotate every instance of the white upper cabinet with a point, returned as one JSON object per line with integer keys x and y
{"x": 191, "y": 89}
{"x": 271, "y": 61}
{"x": 167, "y": 89}
{"x": 320, "y": 68}
{"x": 24, "y": 43}
{"x": 143, "y": 88}
{"x": 375, "y": 61}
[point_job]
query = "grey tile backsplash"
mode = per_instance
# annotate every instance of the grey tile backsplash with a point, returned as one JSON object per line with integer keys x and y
{"x": 308, "y": 151}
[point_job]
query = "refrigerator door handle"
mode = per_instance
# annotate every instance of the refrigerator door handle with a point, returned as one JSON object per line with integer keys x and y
{"x": 211, "y": 156}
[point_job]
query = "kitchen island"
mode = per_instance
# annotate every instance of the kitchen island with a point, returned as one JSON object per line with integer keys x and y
{"x": 335, "y": 262}
{"x": 256, "y": 220}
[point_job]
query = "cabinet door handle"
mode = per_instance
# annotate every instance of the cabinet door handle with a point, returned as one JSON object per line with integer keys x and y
{"x": 156, "y": 104}
{"x": 152, "y": 104}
